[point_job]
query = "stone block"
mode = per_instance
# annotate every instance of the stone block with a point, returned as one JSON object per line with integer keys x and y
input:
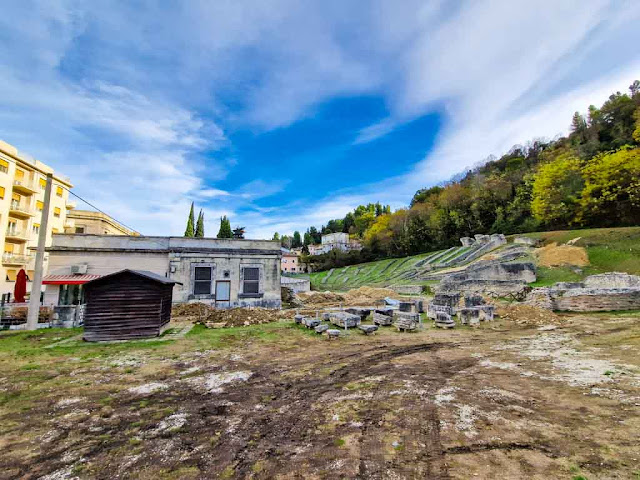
{"x": 473, "y": 300}
{"x": 469, "y": 316}
{"x": 361, "y": 312}
{"x": 407, "y": 307}
{"x": 482, "y": 239}
{"x": 344, "y": 319}
{"x": 310, "y": 322}
{"x": 321, "y": 328}
{"x": 332, "y": 333}
{"x": 368, "y": 329}
{"x": 406, "y": 321}
{"x": 612, "y": 280}
{"x": 444, "y": 320}
{"x": 383, "y": 317}
{"x": 467, "y": 241}
{"x": 525, "y": 241}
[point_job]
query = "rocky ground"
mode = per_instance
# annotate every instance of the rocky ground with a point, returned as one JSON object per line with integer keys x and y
{"x": 516, "y": 398}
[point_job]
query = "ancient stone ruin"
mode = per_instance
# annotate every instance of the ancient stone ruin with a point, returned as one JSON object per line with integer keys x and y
{"x": 383, "y": 316}
{"x": 496, "y": 279}
{"x": 597, "y": 293}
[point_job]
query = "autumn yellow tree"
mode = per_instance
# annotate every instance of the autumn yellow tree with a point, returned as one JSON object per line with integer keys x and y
{"x": 611, "y": 194}
{"x": 556, "y": 190}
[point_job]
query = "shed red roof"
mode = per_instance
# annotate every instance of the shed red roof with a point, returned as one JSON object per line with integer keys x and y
{"x": 68, "y": 279}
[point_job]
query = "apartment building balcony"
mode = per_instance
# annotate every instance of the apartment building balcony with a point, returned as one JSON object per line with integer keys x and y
{"x": 25, "y": 186}
{"x": 16, "y": 259}
{"x": 15, "y": 235}
{"x": 70, "y": 205}
{"x": 20, "y": 210}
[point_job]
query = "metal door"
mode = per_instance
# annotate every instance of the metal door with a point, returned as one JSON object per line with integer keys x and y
{"x": 223, "y": 294}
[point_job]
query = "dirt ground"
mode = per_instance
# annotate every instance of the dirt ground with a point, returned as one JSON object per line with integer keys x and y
{"x": 554, "y": 255}
{"x": 507, "y": 400}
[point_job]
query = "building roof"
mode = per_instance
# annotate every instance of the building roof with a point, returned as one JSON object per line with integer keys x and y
{"x": 71, "y": 279}
{"x": 142, "y": 273}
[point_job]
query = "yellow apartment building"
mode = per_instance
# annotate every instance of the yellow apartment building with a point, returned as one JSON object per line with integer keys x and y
{"x": 95, "y": 223}
{"x": 22, "y": 184}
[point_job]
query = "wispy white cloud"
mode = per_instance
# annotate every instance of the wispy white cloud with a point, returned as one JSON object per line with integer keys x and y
{"x": 133, "y": 102}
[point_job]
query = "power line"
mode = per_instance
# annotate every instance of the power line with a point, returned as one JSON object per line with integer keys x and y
{"x": 101, "y": 211}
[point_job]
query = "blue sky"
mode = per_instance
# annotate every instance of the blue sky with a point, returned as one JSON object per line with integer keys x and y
{"x": 284, "y": 114}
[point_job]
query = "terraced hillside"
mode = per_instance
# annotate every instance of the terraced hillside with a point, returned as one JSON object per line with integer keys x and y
{"x": 607, "y": 249}
{"x": 397, "y": 271}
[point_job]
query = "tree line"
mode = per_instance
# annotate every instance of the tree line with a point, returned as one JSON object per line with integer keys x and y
{"x": 590, "y": 178}
{"x": 355, "y": 223}
{"x": 196, "y": 228}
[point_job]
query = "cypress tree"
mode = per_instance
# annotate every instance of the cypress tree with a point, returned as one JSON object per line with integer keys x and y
{"x": 225, "y": 228}
{"x": 200, "y": 225}
{"x": 189, "y": 231}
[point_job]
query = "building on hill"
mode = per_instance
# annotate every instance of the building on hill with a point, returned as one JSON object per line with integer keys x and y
{"x": 222, "y": 272}
{"x": 291, "y": 263}
{"x": 22, "y": 185}
{"x": 335, "y": 241}
{"x": 96, "y": 223}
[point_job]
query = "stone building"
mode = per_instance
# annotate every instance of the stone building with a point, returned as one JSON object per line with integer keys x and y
{"x": 290, "y": 263}
{"x": 96, "y": 223}
{"x": 221, "y": 272}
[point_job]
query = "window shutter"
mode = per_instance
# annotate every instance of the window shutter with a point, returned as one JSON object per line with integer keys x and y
{"x": 43, "y": 182}
{"x": 56, "y": 211}
{"x": 16, "y": 197}
{"x": 19, "y": 174}
{"x": 39, "y": 205}
{"x": 1, "y": 192}
{"x": 4, "y": 163}
{"x": 59, "y": 191}
{"x": 11, "y": 275}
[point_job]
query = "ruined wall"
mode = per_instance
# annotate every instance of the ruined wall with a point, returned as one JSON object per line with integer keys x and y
{"x": 608, "y": 291}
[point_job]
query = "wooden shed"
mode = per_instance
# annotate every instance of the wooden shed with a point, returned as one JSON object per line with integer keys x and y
{"x": 127, "y": 304}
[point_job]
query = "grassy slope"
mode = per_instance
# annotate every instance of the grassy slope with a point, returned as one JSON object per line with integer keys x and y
{"x": 380, "y": 273}
{"x": 609, "y": 249}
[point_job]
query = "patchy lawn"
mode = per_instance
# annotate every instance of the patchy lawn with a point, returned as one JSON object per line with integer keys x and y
{"x": 277, "y": 401}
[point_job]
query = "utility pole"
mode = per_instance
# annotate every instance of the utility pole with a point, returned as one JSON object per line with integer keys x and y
{"x": 36, "y": 286}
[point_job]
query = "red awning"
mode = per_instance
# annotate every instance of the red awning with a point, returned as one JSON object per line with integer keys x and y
{"x": 68, "y": 279}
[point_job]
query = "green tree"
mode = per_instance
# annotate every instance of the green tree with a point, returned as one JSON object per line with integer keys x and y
{"x": 556, "y": 190}
{"x": 296, "y": 241}
{"x": 200, "y": 225}
{"x": 611, "y": 194}
{"x": 189, "y": 232}
{"x": 276, "y": 236}
{"x": 225, "y": 228}
{"x": 636, "y": 132}
{"x": 307, "y": 240}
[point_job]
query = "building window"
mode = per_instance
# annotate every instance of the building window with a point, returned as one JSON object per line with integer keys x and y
{"x": 1, "y": 193}
{"x": 59, "y": 191}
{"x": 39, "y": 205}
{"x": 43, "y": 183}
{"x": 11, "y": 275}
{"x": 251, "y": 280}
{"x": 36, "y": 228}
{"x": 56, "y": 212}
{"x": 4, "y": 166}
{"x": 79, "y": 229}
{"x": 202, "y": 280}
{"x": 71, "y": 295}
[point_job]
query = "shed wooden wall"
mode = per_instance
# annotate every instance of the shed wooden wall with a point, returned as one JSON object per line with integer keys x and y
{"x": 126, "y": 306}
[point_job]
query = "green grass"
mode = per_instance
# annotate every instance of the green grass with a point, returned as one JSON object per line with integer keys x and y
{"x": 609, "y": 249}
{"x": 379, "y": 273}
